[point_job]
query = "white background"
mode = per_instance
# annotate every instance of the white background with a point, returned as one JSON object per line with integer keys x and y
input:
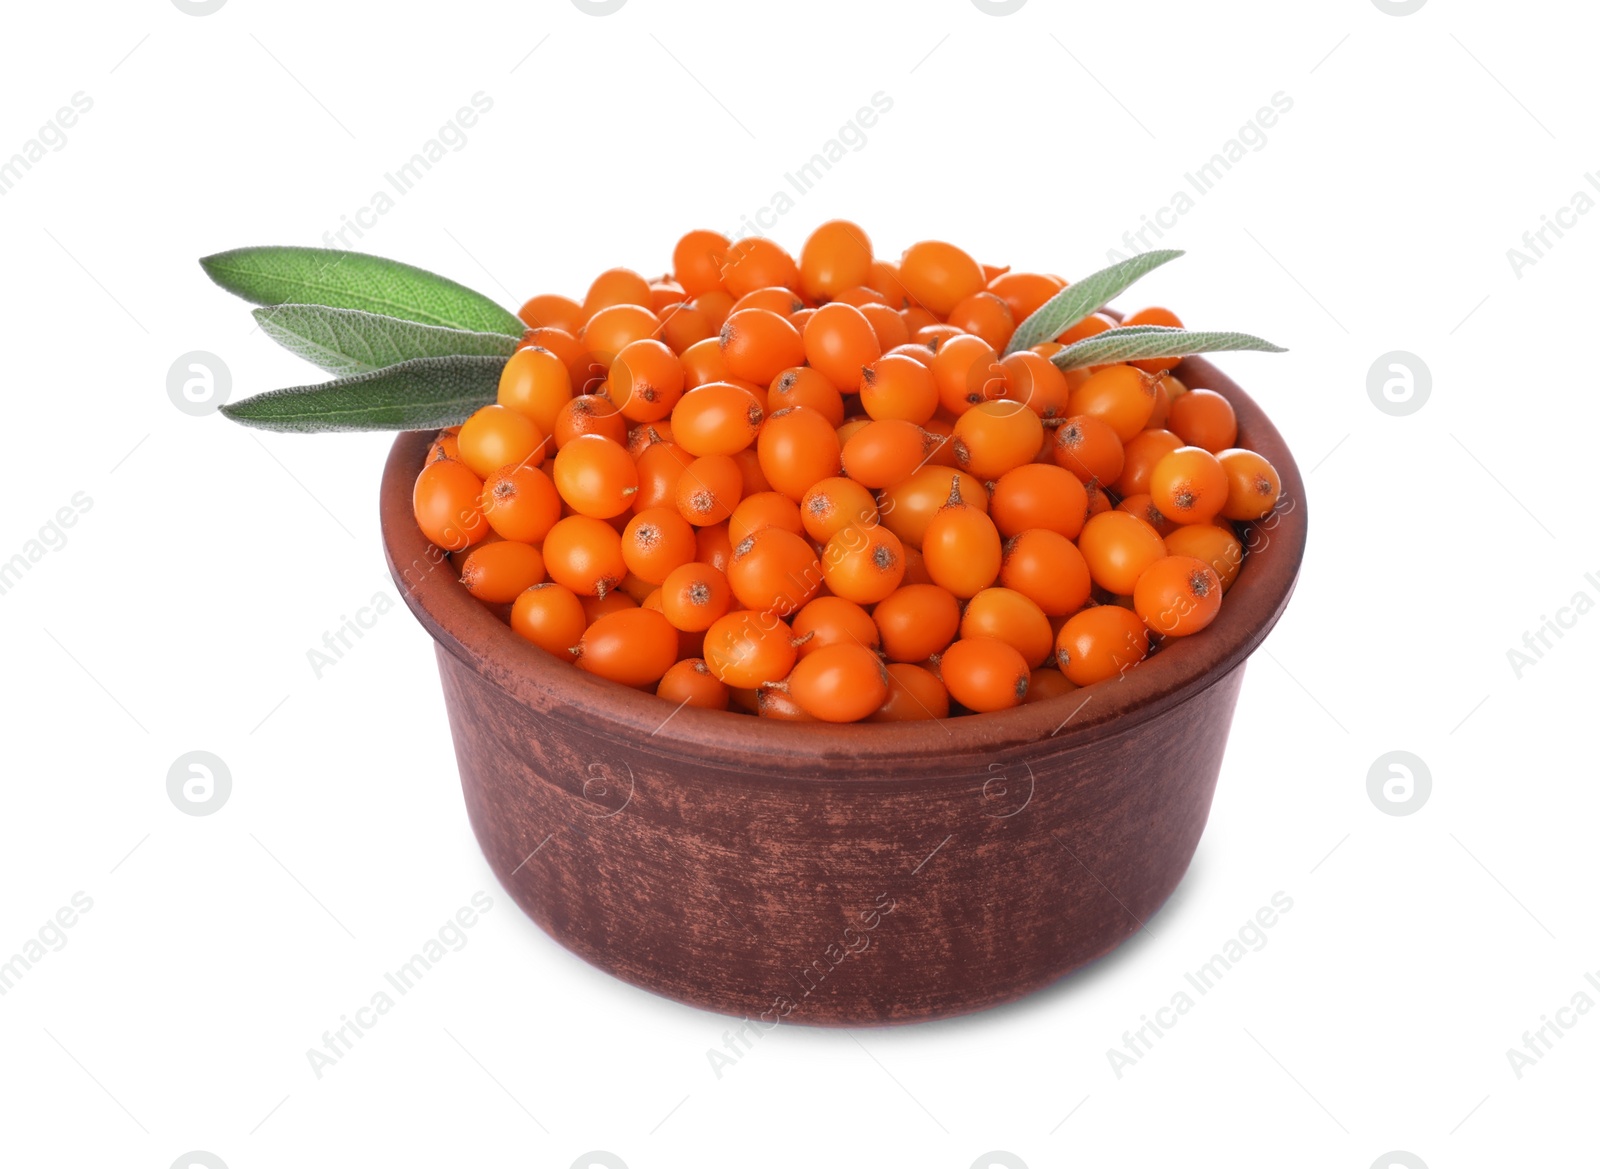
{"x": 179, "y": 612}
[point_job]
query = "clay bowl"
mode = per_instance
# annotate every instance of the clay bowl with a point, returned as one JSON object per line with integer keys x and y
{"x": 840, "y": 875}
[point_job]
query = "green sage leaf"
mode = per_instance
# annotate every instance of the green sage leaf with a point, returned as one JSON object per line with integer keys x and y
{"x": 339, "y": 279}
{"x": 420, "y": 394}
{"x": 1136, "y": 342}
{"x": 1077, "y": 301}
{"x": 348, "y": 341}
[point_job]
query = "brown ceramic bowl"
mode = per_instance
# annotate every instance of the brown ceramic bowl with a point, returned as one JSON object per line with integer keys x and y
{"x": 862, "y": 874}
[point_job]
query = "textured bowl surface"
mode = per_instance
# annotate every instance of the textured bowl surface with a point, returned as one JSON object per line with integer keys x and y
{"x": 841, "y": 875}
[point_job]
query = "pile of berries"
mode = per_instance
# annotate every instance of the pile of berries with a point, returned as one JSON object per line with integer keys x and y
{"x": 820, "y": 490}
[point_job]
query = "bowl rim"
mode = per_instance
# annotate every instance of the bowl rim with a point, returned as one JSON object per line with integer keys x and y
{"x": 472, "y": 633}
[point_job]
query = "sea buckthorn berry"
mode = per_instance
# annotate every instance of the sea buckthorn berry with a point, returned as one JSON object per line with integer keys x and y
{"x": 690, "y": 682}
{"x": 774, "y": 571}
{"x": 897, "y": 386}
{"x": 765, "y": 509}
{"x": 832, "y": 620}
{"x": 613, "y": 329}
{"x": 1089, "y": 448}
{"x": 714, "y": 305}
{"x": 985, "y": 315}
{"x": 801, "y": 385}
{"x": 683, "y": 325}
{"x": 860, "y": 296}
{"x": 1100, "y": 643}
{"x": 961, "y": 546}
{"x": 550, "y": 616}
{"x": 1120, "y": 396}
{"x": 939, "y": 276}
{"x": 445, "y": 446}
{"x": 798, "y": 448}
{"x": 495, "y": 437}
{"x": 447, "y": 502}
{"x": 665, "y": 293}
{"x": 1091, "y": 326}
{"x": 1188, "y": 485}
{"x": 660, "y": 465}
{"x": 907, "y": 506}
{"x": 1140, "y": 454}
{"x": 1047, "y": 682}
{"x": 889, "y": 325}
{"x": 885, "y": 451}
{"x": 836, "y": 256}
{"x": 642, "y": 591}
{"x": 1203, "y": 418}
{"x": 595, "y": 476}
{"x": 702, "y": 364}
{"x": 1177, "y": 596}
{"x": 713, "y": 546}
{"x": 655, "y": 542}
{"x": 716, "y": 419}
{"x": 777, "y": 299}
{"x": 1117, "y": 547}
{"x": 1024, "y": 292}
{"x": 914, "y": 694}
{"x": 863, "y": 565}
{"x": 634, "y": 647}
{"x": 1048, "y": 569}
{"x": 1008, "y": 616}
{"x": 535, "y": 382}
{"x": 1038, "y": 495}
{"x": 967, "y": 370}
{"x": 1253, "y": 486}
{"x": 755, "y": 263}
{"x": 614, "y": 601}
{"x": 746, "y": 649}
{"x": 839, "y": 683}
{"x": 883, "y": 276}
{"x": 836, "y": 503}
{"x": 755, "y": 479}
{"x": 916, "y": 621}
{"x": 501, "y": 571}
{"x": 616, "y": 286}
{"x": 995, "y": 437}
{"x": 694, "y": 595}
{"x": 585, "y": 555}
{"x": 1155, "y": 316}
{"x": 551, "y": 311}
{"x": 1033, "y": 380}
{"x": 521, "y": 503}
{"x": 1141, "y": 506}
{"x": 839, "y": 342}
{"x": 758, "y": 344}
{"x": 984, "y": 674}
{"x": 697, "y": 260}
{"x": 777, "y": 705}
{"x": 645, "y": 381}
{"x": 1213, "y": 543}
{"x": 709, "y": 489}
{"x": 590, "y": 414}
{"x": 574, "y": 354}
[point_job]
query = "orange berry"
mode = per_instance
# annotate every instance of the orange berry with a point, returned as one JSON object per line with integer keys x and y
{"x": 777, "y": 299}
{"x": 716, "y": 419}
{"x": 1048, "y": 569}
{"x": 683, "y": 325}
{"x": 831, "y": 504}
{"x": 633, "y": 646}
{"x": 758, "y": 344}
{"x": 1155, "y": 316}
{"x": 1008, "y": 616}
{"x": 613, "y": 329}
{"x": 798, "y": 448}
{"x": 616, "y": 286}
{"x": 829, "y": 620}
{"x": 897, "y": 386}
{"x": 1100, "y": 643}
{"x": 914, "y": 694}
{"x": 550, "y": 311}
{"x": 694, "y": 595}
{"x": 765, "y": 509}
{"x": 691, "y": 683}
{"x": 1253, "y": 485}
{"x": 839, "y": 683}
{"x": 447, "y": 502}
{"x": 535, "y": 382}
{"x": 499, "y": 572}
{"x": 961, "y": 547}
{"x": 774, "y": 571}
{"x": 495, "y": 437}
{"x": 1117, "y": 547}
{"x": 984, "y": 673}
{"x": 967, "y": 370}
{"x": 1089, "y": 448}
{"x": 916, "y": 621}
{"x": 746, "y": 649}
{"x": 1120, "y": 396}
{"x": 702, "y": 363}
{"x": 985, "y": 315}
{"x": 585, "y": 555}
{"x": 645, "y": 381}
{"x": 836, "y": 256}
{"x": 550, "y": 616}
{"x": 595, "y": 476}
{"x": 1205, "y": 419}
{"x": 1024, "y": 292}
{"x": 885, "y": 451}
{"x": 590, "y": 414}
{"x": 697, "y": 261}
{"x": 839, "y": 342}
{"x": 1047, "y": 682}
{"x": 655, "y": 542}
{"x": 908, "y": 505}
{"x": 1140, "y": 455}
{"x": 1189, "y": 485}
{"x": 800, "y": 385}
{"x": 1031, "y": 378}
{"x": 1177, "y": 596}
{"x": 709, "y": 489}
{"x": 939, "y": 276}
{"x": 863, "y": 565}
{"x": 755, "y": 263}
{"x": 995, "y": 437}
{"x": 889, "y": 325}
{"x": 520, "y": 503}
{"x": 1213, "y": 543}
{"x": 1038, "y": 495}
